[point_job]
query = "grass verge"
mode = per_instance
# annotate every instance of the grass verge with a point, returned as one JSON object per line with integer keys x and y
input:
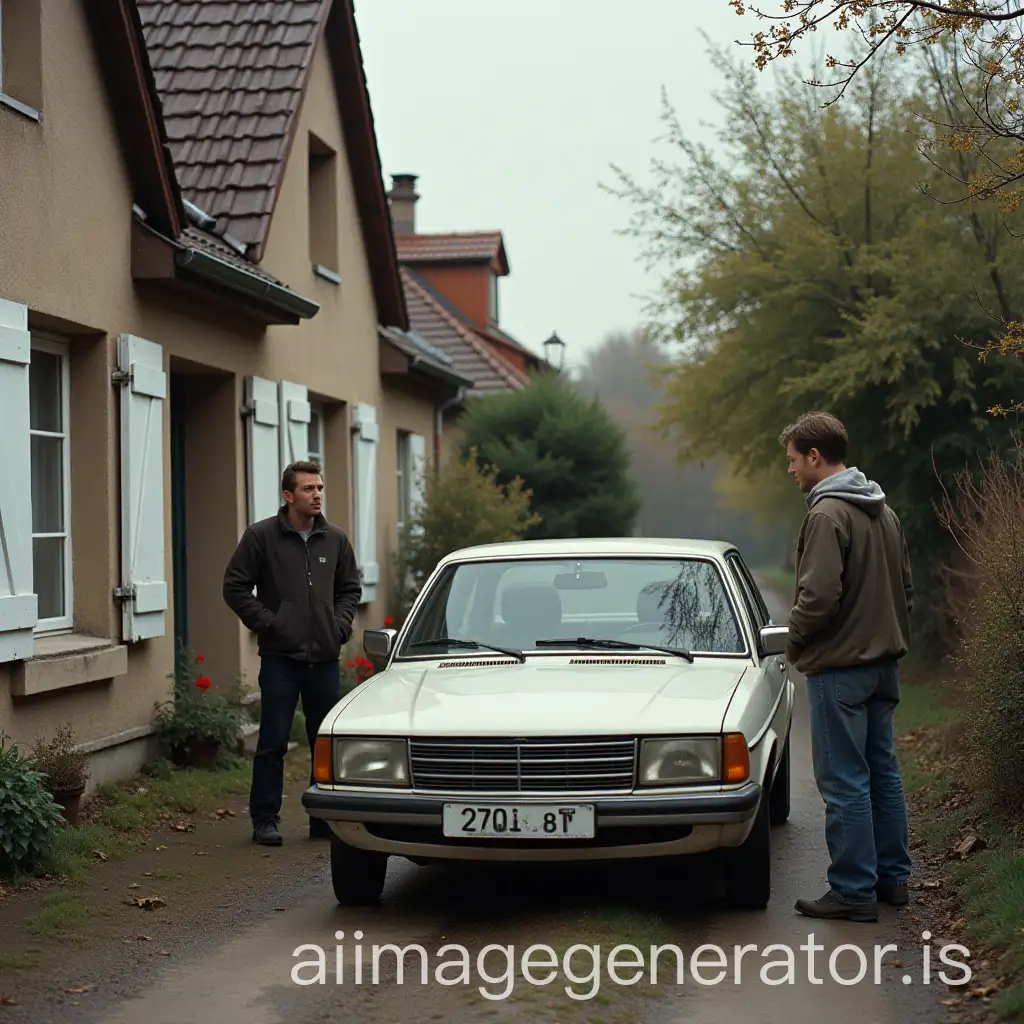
{"x": 119, "y": 817}
{"x": 989, "y": 880}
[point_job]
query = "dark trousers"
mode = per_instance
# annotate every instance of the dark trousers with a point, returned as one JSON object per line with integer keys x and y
{"x": 282, "y": 682}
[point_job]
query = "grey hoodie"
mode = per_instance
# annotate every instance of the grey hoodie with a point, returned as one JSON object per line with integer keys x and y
{"x": 851, "y": 485}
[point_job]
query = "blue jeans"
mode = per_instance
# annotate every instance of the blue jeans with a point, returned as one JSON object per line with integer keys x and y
{"x": 282, "y": 681}
{"x": 858, "y": 776}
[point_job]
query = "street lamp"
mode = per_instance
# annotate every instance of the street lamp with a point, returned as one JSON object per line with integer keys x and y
{"x": 554, "y": 352}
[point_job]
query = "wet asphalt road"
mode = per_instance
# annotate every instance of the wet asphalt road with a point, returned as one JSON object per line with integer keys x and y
{"x": 242, "y": 972}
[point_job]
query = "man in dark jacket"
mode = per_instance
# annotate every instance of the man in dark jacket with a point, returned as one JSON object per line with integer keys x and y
{"x": 849, "y": 627}
{"x": 307, "y": 591}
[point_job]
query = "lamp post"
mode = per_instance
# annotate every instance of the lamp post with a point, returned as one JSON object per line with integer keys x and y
{"x": 554, "y": 352}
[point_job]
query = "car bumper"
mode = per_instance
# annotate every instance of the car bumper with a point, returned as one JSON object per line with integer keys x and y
{"x": 634, "y": 825}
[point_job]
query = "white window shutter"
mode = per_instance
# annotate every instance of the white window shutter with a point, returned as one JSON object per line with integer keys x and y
{"x": 143, "y": 589}
{"x": 417, "y": 472}
{"x": 19, "y": 608}
{"x": 366, "y": 437}
{"x": 295, "y": 417}
{"x": 262, "y": 449}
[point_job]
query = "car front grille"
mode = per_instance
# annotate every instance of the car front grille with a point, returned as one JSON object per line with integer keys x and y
{"x": 523, "y": 766}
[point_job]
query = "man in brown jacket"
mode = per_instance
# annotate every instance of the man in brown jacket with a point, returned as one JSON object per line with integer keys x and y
{"x": 849, "y": 627}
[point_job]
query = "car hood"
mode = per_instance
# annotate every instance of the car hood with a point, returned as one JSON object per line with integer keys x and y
{"x": 540, "y": 698}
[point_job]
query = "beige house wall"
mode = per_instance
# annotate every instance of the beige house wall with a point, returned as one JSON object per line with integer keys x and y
{"x": 65, "y": 225}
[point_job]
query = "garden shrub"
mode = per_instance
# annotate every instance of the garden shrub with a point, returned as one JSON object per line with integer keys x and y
{"x": 987, "y": 520}
{"x": 29, "y": 816}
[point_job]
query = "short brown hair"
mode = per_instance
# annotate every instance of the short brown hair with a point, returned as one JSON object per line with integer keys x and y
{"x": 819, "y": 430}
{"x": 288, "y": 477}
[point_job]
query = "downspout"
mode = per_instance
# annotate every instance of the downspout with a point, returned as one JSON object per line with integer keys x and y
{"x": 458, "y": 399}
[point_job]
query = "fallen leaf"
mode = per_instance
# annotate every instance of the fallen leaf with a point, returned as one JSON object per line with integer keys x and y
{"x": 8, "y": 1001}
{"x": 186, "y": 826}
{"x": 968, "y": 845}
{"x": 161, "y": 847}
{"x": 79, "y": 989}
{"x": 223, "y": 812}
{"x": 950, "y": 1002}
{"x": 930, "y": 885}
{"x": 100, "y": 854}
{"x": 134, "y": 885}
{"x": 147, "y": 902}
{"x": 144, "y": 938}
{"x": 201, "y": 853}
{"x": 164, "y": 952}
{"x": 983, "y": 992}
{"x": 896, "y": 963}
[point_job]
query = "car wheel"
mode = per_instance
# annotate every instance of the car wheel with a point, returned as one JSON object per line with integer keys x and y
{"x": 780, "y": 800}
{"x": 357, "y": 875}
{"x": 748, "y": 868}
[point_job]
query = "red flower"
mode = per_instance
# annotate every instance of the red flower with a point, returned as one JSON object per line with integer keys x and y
{"x": 200, "y": 658}
{"x": 204, "y": 682}
{"x": 350, "y": 663}
{"x": 389, "y": 621}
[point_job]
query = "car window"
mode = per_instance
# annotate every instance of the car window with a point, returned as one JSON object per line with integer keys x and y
{"x": 668, "y": 601}
{"x": 745, "y": 595}
{"x": 754, "y": 589}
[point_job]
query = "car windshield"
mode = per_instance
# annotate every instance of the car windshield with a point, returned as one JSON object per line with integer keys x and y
{"x": 516, "y": 604}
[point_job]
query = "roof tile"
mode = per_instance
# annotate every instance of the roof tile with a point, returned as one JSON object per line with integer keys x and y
{"x": 229, "y": 75}
{"x": 469, "y": 355}
{"x": 476, "y": 245}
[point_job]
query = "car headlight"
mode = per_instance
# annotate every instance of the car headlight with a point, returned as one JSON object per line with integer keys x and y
{"x": 673, "y": 762}
{"x": 371, "y": 762}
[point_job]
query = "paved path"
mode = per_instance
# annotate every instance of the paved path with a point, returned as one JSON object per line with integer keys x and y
{"x": 239, "y": 968}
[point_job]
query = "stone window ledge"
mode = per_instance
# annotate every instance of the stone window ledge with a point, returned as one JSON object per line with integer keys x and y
{"x": 69, "y": 660}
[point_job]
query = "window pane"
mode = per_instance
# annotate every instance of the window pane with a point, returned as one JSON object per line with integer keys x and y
{"x": 48, "y": 566}
{"x": 313, "y": 434}
{"x": 44, "y": 388}
{"x": 47, "y": 485}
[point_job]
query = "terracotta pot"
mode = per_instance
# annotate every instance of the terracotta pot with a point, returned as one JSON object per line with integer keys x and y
{"x": 70, "y": 800}
{"x": 198, "y": 754}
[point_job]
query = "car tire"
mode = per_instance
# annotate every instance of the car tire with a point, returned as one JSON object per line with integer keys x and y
{"x": 779, "y": 803}
{"x": 357, "y": 875}
{"x": 748, "y": 868}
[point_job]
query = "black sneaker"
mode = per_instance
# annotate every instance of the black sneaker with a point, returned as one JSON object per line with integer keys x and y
{"x": 319, "y": 829}
{"x": 894, "y": 895}
{"x": 265, "y": 833}
{"x": 829, "y": 908}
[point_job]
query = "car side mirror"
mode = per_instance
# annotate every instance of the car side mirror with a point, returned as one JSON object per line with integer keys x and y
{"x": 771, "y": 640}
{"x": 378, "y": 643}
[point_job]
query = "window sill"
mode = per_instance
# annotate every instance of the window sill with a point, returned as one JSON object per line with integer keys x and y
{"x": 19, "y": 108}
{"x": 68, "y": 660}
{"x": 326, "y": 273}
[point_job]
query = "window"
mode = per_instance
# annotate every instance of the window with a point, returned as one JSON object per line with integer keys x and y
{"x": 404, "y": 479}
{"x": 315, "y": 441}
{"x": 51, "y": 483}
{"x": 675, "y": 602}
{"x": 323, "y": 210}
{"x": 492, "y": 297}
{"x": 21, "y": 83}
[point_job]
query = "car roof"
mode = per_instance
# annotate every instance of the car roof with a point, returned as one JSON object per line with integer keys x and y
{"x": 590, "y": 547}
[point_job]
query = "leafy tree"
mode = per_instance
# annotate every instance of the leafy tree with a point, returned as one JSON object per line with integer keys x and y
{"x": 975, "y": 53}
{"x": 816, "y": 275}
{"x": 463, "y": 505}
{"x": 566, "y": 449}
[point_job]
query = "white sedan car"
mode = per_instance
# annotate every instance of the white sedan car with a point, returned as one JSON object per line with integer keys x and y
{"x": 565, "y": 700}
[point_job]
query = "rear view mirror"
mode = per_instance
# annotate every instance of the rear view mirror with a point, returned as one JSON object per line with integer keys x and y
{"x": 581, "y": 581}
{"x": 772, "y": 640}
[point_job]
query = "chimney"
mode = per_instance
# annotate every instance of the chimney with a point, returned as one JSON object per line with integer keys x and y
{"x": 403, "y": 198}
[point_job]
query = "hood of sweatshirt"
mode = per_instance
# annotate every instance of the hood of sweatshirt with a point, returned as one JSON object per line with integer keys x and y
{"x": 850, "y": 485}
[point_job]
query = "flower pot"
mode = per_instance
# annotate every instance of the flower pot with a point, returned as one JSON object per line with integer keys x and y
{"x": 197, "y": 754}
{"x": 70, "y": 800}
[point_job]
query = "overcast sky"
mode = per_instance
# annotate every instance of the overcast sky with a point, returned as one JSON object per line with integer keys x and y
{"x": 511, "y": 113}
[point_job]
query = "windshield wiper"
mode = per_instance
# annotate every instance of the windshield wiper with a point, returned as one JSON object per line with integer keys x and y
{"x": 615, "y": 645}
{"x": 438, "y": 640}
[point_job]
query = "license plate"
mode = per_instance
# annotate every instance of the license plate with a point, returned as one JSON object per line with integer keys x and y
{"x": 519, "y": 821}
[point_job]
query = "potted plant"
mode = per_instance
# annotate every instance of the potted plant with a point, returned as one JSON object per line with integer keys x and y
{"x": 195, "y": 725}
{"x": 65, "y": 769}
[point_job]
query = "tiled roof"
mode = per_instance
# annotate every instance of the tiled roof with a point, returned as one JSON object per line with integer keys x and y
{"x": 469, "y": 355}
{"x": 230, "y": 75}
{"x": 459, "y": 247}
{"x": 212, "y": 245}
{"x": 417, "y": 348}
